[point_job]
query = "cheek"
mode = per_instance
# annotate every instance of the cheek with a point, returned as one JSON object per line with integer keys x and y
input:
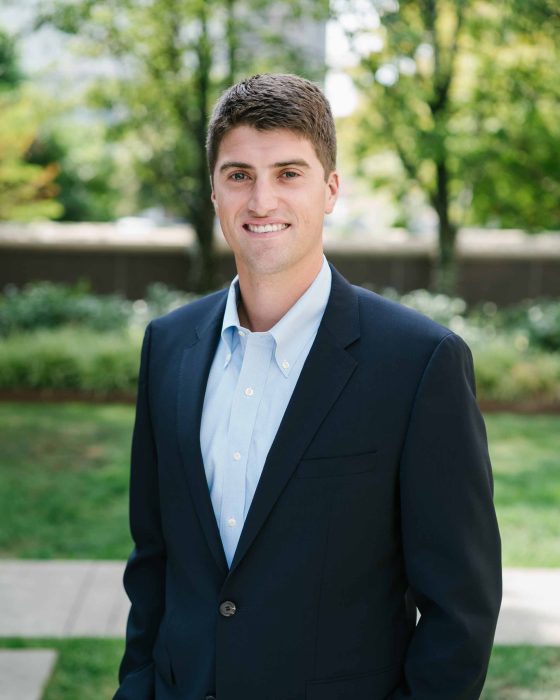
{"x": 224, "y": 205}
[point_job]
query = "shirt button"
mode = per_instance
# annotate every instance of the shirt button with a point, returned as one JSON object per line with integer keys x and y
{"x": 285, "y": 364}
{"x": 228, "y": 608}
{"x": 249, "y": 391}
{"x": 237, "y": 456}
{"x": 241, "y": 333}
{"x": 228, "y": 357}
{"x": 231, "y": 522}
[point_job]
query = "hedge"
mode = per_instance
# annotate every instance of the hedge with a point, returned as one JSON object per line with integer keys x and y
{"x": 70, "y": 358}
{"x": 59, "y": 338}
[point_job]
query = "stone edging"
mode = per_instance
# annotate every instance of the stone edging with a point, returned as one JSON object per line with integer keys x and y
{"x": 124, "y": 397}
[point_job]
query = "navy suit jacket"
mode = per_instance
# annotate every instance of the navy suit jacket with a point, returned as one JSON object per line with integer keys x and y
{"x": 375, "y": 501}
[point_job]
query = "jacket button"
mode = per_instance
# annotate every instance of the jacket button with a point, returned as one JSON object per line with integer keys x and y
{"x": 227, "y": 608}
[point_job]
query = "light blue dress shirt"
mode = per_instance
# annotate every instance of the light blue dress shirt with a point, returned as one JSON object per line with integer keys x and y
{"x": 249, "y": 386}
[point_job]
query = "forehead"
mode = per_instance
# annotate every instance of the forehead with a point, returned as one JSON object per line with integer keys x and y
{"x": 264, "y": 147}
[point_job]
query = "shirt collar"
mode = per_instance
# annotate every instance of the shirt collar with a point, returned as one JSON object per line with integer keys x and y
{"x": 230, "y": 323}
{"x": 294, "y": 330}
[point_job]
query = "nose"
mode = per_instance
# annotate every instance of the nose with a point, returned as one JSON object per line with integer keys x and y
{"x": 263, "y": 199}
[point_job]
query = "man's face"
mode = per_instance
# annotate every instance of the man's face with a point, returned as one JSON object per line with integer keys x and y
{"x": 270, "y": 194}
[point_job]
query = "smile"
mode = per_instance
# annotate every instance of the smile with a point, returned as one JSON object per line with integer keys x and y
{"x": 266, "y": 228}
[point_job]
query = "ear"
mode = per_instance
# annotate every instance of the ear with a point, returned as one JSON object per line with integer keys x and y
{"x": 213, "y": 196}
{"x": 331, "y": 191}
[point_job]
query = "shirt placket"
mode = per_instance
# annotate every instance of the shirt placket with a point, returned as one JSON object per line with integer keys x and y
{"x": 247, "y": 396}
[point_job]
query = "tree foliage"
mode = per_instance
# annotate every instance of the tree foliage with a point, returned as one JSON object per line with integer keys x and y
{"x": 465, "y": 93}
{"x": 511, "y": 169}
{"x": 10, "y": 74}
{"x": 89, "y": 178}
{"x": 27, "y": 191}
{"x": 171, "y": 60}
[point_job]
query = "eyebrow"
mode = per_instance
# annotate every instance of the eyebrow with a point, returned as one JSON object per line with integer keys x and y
{"x": 281, "y": 164}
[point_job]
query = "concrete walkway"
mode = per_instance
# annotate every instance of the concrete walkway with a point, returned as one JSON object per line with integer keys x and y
{"x": 62, "y": 599}
{"x": 86, "y": 599}
{"x": 24, "y": 673}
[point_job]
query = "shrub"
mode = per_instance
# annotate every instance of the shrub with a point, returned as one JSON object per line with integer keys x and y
{"x": 70, "y": 359}
{"x": 439, "y": 307}
{"x": 48, "y": 305}
{"x": 61, "y": 337}
{"x": 538, "y": 319}
{"x": 506, "y": 373}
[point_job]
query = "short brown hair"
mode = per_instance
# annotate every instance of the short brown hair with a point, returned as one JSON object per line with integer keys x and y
{"x": 275, "y": 101}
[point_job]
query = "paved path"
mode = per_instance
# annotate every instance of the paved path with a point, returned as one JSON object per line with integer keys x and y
{"x": 530, "y": 611}
{"x": 24, "y": 673}
{"x": 62, "y": 599}
{"x": 86, "y": 599}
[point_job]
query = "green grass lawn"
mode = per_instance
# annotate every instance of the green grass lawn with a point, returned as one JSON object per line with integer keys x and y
{"x": 64, "y": 479}
{"x": 87, "y": 669}
{"x": 525, "y": 452}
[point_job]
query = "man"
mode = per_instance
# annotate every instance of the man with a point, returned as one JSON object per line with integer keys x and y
{"x": 309, "y": 465}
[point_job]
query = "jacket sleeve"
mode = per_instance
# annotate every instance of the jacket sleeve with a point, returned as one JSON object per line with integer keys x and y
{"x": 144, "y": 577}
{"x": 450, "y": 535}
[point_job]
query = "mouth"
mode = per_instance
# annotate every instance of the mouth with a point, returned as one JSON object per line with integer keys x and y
{"x": 265, "y": 228}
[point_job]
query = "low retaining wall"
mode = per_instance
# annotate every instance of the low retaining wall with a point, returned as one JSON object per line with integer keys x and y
{"x": 499, "y": 266}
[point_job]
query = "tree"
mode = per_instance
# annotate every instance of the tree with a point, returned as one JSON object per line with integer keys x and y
{"x": 10, "y": 74}
{"x": 27, "y": 191}
{"x": 89, "y": 175}
{"x": 172, "y": 58}
{"x": 510, "y": 166}
{"x": 446, "y": 90}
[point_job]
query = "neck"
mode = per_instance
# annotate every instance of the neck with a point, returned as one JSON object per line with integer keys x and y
{"x": 264, "y": 300}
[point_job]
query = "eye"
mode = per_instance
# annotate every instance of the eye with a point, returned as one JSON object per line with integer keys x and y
{"x": 238, "y": 177}
{"x": 290, "y": 175}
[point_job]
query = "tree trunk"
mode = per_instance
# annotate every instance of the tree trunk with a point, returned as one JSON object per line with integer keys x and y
{"x": 203, "y": 262}
{"x": 445, "y": 273}
{"x": 204, "y": 266}
{"x": 231, "y": 39}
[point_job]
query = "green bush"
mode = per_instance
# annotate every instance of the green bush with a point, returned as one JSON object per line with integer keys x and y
{"x": 534, "y": 323}
{"x": 441, "y": 308}
{"x": 506, "y": 373}
{"x": 539, "y": 320}
{"x": 70, "y": 358}
{"x": 41, "y": 305}
{"x": 59, "y": 337}
{"x": 49, "y": 305}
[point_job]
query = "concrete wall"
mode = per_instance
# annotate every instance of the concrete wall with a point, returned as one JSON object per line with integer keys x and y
{"x": 503, "y": 267}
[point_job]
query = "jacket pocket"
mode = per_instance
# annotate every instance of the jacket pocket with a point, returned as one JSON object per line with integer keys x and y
{"x": 368, "y": 686}
{"x": 162, "y": 661}
{"x": 344, "y": 465}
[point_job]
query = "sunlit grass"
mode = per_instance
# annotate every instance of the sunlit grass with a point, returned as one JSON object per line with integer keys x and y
{"x": 87, "y": 669}
{"x": 525, "y": 453}
{"x": 64, "y": 481}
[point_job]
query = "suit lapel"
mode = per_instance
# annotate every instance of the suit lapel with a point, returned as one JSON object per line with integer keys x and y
{"x": 325, "y": 373}
{"x": 195, "y": 367}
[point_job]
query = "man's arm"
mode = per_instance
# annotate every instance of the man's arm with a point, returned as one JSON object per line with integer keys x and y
{"x": 450, "y": 534}
{"x": 144, "y": 578}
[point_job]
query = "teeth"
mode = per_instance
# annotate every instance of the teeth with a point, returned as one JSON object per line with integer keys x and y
{"x": 268, "y": 228}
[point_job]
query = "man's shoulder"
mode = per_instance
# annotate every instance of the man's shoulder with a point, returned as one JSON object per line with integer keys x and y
{"x": 396, "y": 320}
